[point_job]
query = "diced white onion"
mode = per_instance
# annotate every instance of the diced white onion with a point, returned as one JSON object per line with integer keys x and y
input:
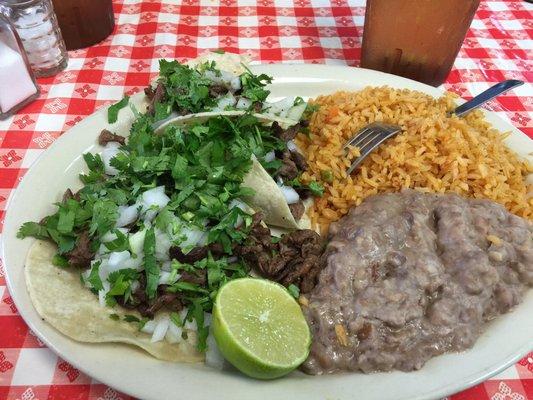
{"x": 164, "y": 278}
{"x": 135, "y": 285}
{"x": 127, "y": 215}
{"x": 213, "y": 356}
{"x": 162, "y": 245}
{"x": 235, "y": 83}
{"x": 270, "y": 156}
{"x": 166, "y": 266}
{"x": 243, "y": 206}
{"x": 155, "y": 197}
{"x": 137, "y": 242}
{"x": 291, "y": 196}
{"x": 110, "y": 151}
{"x": 280, "y": 108}
{"x": 193, "y": 237}
{"x": 110, "y": 236}
{"x": 117, "y": 260}
{"x": 103, "y": 292}
{"x": 295, "y": 112}
{"x": 190, "y": 325}
{"x": 207, "y": 318}
{"x": 161, "y": 328}
{"x": 292, "y": 146}
{"x": 213, "y": 77}
{"x": 227, "y": 76}
{"x": 173, "y": 333}
{"x": 243, "y": 104}
{"x": 226, "y": 101}
{"x": 149, "y": 327}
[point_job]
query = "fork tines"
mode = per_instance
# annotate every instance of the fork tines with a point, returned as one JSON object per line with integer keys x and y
{"x": 368, "y": 138}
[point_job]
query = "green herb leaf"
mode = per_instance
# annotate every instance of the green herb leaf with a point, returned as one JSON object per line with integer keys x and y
{"x": 114, "y": 317}
{"x": 33, "y": 229}
{"x": 112, "y": 111}
{"x": 94, "y": 278}
{"x": 176, "y": 320}
{"x": 131, "y": 318}
{"x": 316, "y": 188}
{"x": 294, "y": 291}
{"x": 150, "y": 265}
{"x": 60, "y": 261}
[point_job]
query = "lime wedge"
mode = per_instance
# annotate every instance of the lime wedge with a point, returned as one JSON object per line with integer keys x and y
{"x": 260, "y": 328}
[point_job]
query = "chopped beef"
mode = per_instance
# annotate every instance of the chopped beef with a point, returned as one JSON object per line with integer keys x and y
{"x": 288, "y": 169}
{"x": 303, "y": 192}
{"x": 217, "y": 90}
{"x": 81, "y": 255}
{"x": 299, "y": 160}
{"x": 289, "y": 133}
{"x": 295, "y": 259}
{"x": 158, "y": 97}
{"x": 196, "y": 254}
{"x": 69, "y": 195}
{"x": 199, "y": 277}
{"x": 257, "y": 107}
{"x": 107, "y": 136}
{"x": 149, "y": 92}
{"x": 148, "y": 308}
{"x": 170, "y": 301}
{"x": 297, "y": 210}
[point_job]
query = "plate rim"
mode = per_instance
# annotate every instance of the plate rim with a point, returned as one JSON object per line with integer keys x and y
{"x": 469, "y": 381}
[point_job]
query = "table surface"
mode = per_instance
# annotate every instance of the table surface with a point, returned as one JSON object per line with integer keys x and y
{"x": 499, "y": 45}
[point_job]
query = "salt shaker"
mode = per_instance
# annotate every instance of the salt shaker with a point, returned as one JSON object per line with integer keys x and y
{"x": 36, "y": 24}
{"x": 17, "y": 84}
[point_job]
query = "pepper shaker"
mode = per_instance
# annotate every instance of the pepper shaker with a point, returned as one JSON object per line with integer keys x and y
{"x": 36, "y": 24}
{"x": 17, "y": 83}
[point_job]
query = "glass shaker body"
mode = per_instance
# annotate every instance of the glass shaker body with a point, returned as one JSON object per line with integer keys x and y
{"x": 17, "y": 83}
{"x": 36, "y": 24}
{"x": 417, "y": 39}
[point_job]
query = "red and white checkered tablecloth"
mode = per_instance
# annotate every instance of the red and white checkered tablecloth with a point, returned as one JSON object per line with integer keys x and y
{"x": 499, "y": 46}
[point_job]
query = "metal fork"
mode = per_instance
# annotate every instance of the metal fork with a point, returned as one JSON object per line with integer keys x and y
{"x": 368, "y": 138}
{"x": 372, "y": 135}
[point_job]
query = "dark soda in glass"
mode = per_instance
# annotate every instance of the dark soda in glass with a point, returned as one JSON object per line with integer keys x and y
{"x": 417, "y": 39}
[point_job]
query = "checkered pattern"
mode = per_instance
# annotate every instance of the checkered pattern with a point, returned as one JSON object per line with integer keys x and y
{"x": 498, "y": 46}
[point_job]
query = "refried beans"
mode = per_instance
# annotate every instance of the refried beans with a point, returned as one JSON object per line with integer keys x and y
{"x": 410, "y": 276}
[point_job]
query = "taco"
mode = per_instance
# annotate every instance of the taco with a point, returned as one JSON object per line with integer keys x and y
{"x": 275, "y": 172}
{"x": 163, "y": 219}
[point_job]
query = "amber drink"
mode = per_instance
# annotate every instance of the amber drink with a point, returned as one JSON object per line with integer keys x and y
{"x": 418, "y": 39}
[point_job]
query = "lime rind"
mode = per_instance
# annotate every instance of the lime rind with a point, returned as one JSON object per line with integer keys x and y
{"x": 260, "y": 328}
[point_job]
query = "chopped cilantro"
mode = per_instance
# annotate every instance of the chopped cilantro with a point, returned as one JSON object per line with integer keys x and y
{"x": 150, "y": 265}
{"x": 316, "y": 188}
{"x": 94, "y": 278}
{"x": 294, "y": 290}
{"x": 112, "y": 111}
{"x": 131, "y": 318}
{"x": 114, "y": 317}
{"x": 32, "y": 229}
{"x": 60, "y": 261}
{"x": 175, "y": 319}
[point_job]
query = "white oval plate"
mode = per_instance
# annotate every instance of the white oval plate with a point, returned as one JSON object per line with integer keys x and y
{"x": 134, "y": 372}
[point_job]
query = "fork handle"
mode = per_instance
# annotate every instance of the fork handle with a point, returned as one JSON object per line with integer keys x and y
{"x": 485, "y": 96}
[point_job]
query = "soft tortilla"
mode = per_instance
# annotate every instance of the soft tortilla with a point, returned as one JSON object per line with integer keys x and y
{"x": 62, "y": 301}
{"x": 268, "y": 196}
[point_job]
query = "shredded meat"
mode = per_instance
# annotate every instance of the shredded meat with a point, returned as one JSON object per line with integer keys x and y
{"x": 297, "y": 210}
{"x": 199, "y": 277}
{"x": 288, "y": 169}
{"x": 295, "y": 259}
{"x": 81, "y": 255}
{"x": 148, "y": 308}
{"x": 107, "y": 136}
{"x": 217, "y": 90}
{"x": 195, "y": 254}
{"x": 257, "y": 106}
{"x": 299, "y": 160}
{"x": 155, "y": 96}
{"x": 289, "y": 133}
{"x": 69, "y": 195}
